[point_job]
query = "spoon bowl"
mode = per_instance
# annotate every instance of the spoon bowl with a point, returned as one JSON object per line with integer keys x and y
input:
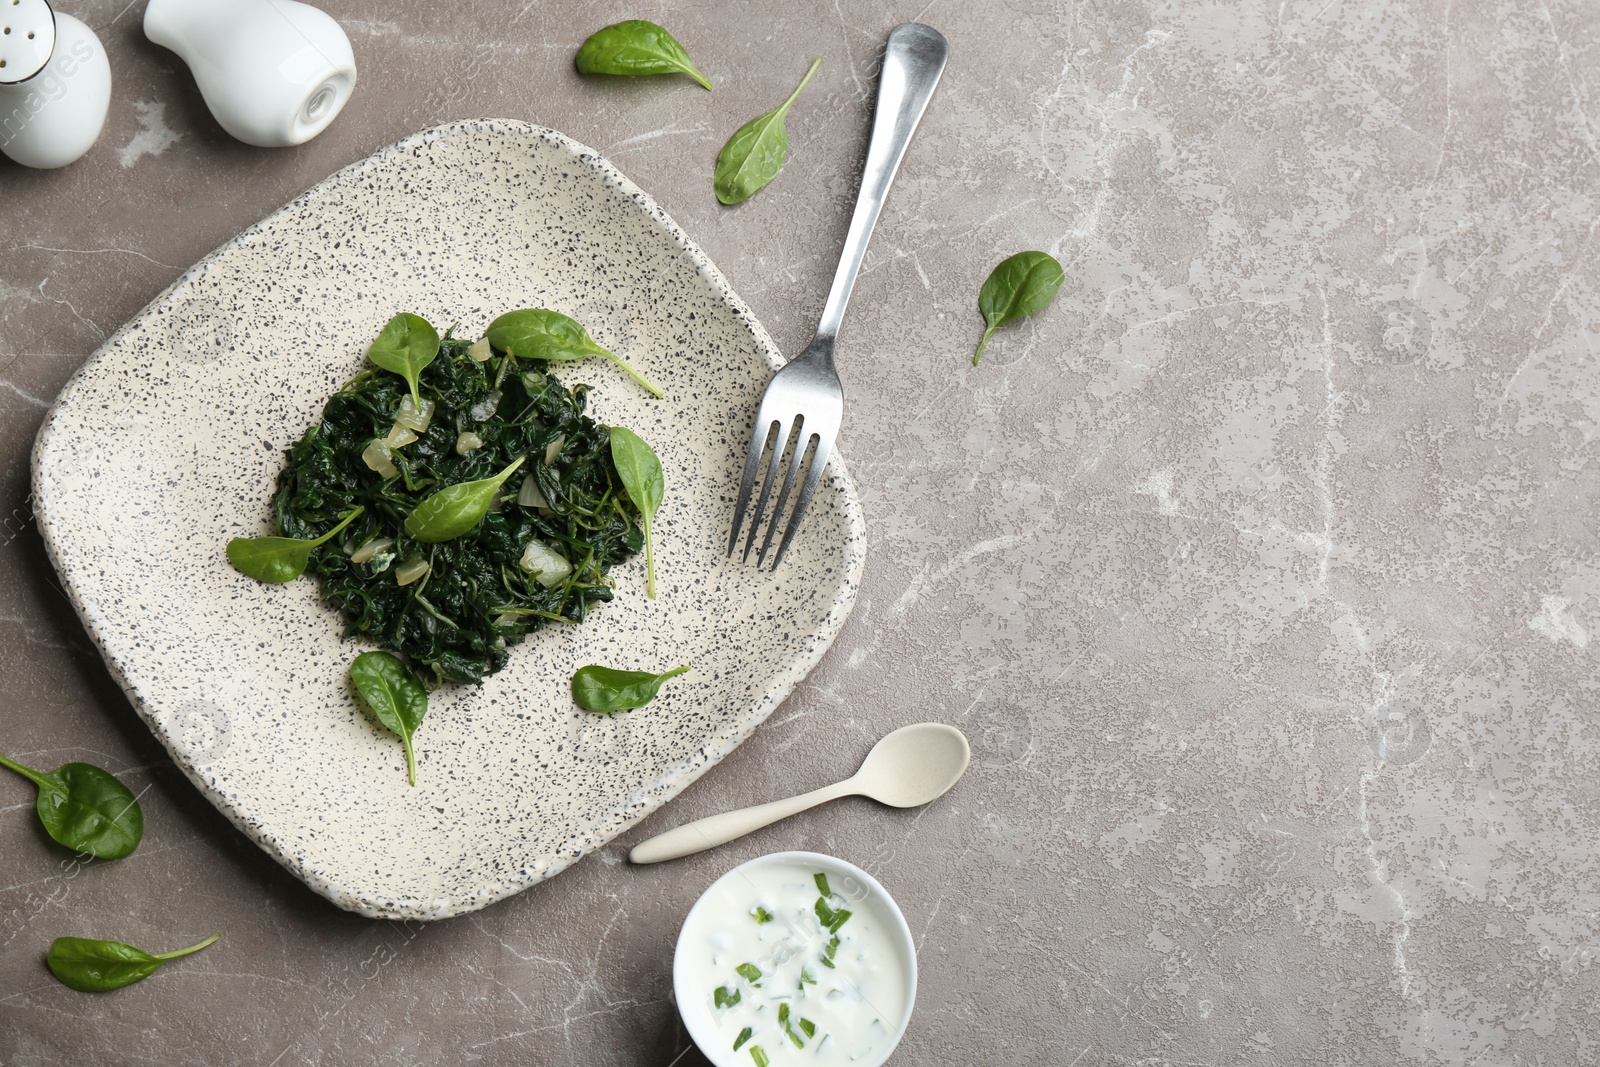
{"x": 915, "y": 765}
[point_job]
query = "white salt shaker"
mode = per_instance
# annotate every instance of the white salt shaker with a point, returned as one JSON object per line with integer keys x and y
{"x": 55, "y": 85}
{"x": 273, "y": 72}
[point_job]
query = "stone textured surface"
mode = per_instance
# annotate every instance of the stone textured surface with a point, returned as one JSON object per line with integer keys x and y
{"x": 1260, "y": 568}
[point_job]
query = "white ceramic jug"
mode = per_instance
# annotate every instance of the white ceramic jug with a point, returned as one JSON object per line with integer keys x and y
{"x": 55, "y": 85}
{"x": 273, "y": 72}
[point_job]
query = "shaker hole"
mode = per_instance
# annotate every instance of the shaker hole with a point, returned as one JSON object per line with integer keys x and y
{"x": 318, "y": 105}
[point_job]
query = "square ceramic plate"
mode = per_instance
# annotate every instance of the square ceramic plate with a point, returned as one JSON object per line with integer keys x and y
{"x": 168, "y": 441}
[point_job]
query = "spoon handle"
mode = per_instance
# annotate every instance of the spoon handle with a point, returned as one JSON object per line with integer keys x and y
{"x": 717, "y": 830}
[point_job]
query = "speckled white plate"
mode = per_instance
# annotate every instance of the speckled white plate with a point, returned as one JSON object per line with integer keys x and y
{"x": 168, "y": 441}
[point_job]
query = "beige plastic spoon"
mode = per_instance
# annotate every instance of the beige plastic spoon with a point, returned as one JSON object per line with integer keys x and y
{"x": 906, "y": 769}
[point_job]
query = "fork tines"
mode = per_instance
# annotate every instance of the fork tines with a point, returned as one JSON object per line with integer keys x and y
{"x": 803, "y": 448}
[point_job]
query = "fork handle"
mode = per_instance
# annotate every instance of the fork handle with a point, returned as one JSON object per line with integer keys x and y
{"x": 912, "y": 63}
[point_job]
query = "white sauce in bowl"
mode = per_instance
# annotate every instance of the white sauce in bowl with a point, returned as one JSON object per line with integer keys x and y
{"x": 755, "y": 955}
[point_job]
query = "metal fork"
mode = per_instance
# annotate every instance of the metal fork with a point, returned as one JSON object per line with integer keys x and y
{"x": 804, "y": 403}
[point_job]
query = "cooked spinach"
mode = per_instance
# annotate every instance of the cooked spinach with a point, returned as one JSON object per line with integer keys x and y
{"x": 395, "y": 698}
{"x": 597, "y": 688}
{"x": 406, "y": 346}
{"x": 91, "y": 966}
{"x": 1020, "y": 285}
{"x": 540, "y": 554}
{"x": 539, "y": 333}
{"x": 756, "y": 151}
{"x": 640, "y": 470}
{"x": 86, "y": 809}
{"x": 279, "y": 559}
{"x": 636, "y": 47}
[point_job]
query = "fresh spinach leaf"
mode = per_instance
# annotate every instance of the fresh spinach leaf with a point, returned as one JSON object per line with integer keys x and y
{"x": 539, "y": 333}
{"x": 279, "y": 559}
{"x": 456, "y": 509}
{"x": 640, "y": 470}
{"x": 86, "y": 809}
{"x": 597, "y": 688}
{"x": 395, "y": 696}
{"x": 822, "y": 884}
{"x": 750, "y": 973}
{"x": 744, "y": 1035}
{"x": 725, "y": 997}
{"x": 92, "y": 966}
{"x": 756, "y": 151}
{"x": 406, "y": 346}
{"x": 1021, "y": 285}
{"x": 759, "y": 1055}
{"x": 636, "y": 47}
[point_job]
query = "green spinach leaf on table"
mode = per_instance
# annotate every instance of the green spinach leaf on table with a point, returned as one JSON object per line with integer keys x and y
{"x": 1021, "y": 285}
{"x": 757, "y": 150}
{"x": 85, "y": 809}
{"x": 92, "y": 966}
{"x": 635, "y": 47}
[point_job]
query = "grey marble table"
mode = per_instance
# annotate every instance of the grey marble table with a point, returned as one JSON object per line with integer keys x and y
{"x": 1261, "y": 569}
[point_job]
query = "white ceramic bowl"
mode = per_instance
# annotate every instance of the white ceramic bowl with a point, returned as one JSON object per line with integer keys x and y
{"x": 859, "y": 887}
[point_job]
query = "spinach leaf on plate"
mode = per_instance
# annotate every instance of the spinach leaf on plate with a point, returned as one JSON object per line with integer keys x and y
{"x": 280, "y": 559}
{"x": 640, "y": 470}
{"x": 406, "y": 346}
{"x": 456, "y": 509}
{"x": 539, "y": 333}
{"x": 394, "y": 696}
{"x": 635, "y": 47}
{"x": 597, "y": 688}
